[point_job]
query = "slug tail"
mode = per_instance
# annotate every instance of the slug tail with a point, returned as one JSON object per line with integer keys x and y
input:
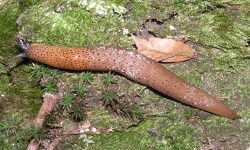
{"x": 207, "y": 102}
{"x": 204, "y": 101}
{"x": 224, "y": 111}
{"x": 191, "y": 95}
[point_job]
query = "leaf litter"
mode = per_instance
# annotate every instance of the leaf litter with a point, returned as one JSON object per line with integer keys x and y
{"x": 163, "y": 49}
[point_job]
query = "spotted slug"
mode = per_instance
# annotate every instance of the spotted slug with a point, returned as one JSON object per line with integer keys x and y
{"x": 131, "y": 65}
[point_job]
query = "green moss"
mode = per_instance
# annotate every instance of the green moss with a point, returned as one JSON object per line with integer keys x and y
{"x": 102, "y": 118}
{"x": 24, "y": 94}
{"x": 9, "y": 12}
{"x": 58, "y": 20}
{"x": 220, "y": 30}
{"x": 36, "y": 133}
{"x": 5, "y": 80}
{"x": 11, "y": 131}
{"x": 24, "y": 4}
{"x": 139, "y": 10}
{"x": 153, "y": 133}
{"x": 132, "y": 112}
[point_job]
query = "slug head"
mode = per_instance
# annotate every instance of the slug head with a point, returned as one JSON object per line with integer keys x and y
{"x": 22, "y": 46}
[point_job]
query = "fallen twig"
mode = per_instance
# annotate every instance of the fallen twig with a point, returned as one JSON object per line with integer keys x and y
{"x": 50, "y": 101}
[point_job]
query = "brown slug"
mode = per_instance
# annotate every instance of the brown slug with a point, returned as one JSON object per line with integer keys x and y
{"x": 131, "y": 65}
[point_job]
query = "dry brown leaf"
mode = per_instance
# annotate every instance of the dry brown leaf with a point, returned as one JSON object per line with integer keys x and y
{"x": 164, "y": 50}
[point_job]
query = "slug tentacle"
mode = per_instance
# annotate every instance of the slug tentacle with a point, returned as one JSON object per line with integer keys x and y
{"x": 20, "y": 43}
{"x": 133, "y": 66}
{"x": 22, "y": 46}
{"x": 18, "y": 56}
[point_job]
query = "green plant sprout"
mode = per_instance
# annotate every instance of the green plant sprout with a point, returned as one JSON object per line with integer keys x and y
{"x": 80, "y": 91}
{"x": 77, "y": 113}
{"x": 66, "y": 101}
{"x": 49, "y": 87}
{"x": 133, "y": 112}
{"x": 55, "y": 73}
{"x": 8, "y": 127}
{"x": 37, "y": 133}
{"x": 109, "y": 97}
{"x": 109, "y": 79}
{"x": 38, "y": 71}
{"x": 87, "y": 77}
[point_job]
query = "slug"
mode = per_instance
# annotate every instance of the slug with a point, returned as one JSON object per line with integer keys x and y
{"x": 131, "y": 65}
